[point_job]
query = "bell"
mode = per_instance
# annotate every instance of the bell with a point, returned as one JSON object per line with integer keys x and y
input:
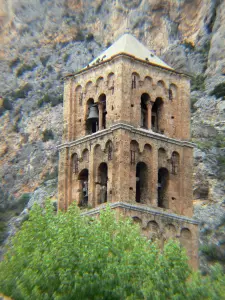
{"x": 93, "y": 113}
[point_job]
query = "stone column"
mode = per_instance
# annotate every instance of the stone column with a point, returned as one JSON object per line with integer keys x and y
{"x": 149, "y": 114}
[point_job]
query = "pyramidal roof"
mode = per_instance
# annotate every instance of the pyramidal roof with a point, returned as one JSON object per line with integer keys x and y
{"x": 128, "y": 44}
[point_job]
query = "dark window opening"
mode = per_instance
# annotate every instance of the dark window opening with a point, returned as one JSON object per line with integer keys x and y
{"x": 170, "y": 95}
{"x": 157, "y": 115}
{"x": 83, "y": 179}
{"x": 132, "y": 157}
{"x": 144, "y": 110}
{"x": 103, "y": 182}
{"x": 92, "y": 122}
{"x": 141, "y": 182}
{"x": 163, "y": 180}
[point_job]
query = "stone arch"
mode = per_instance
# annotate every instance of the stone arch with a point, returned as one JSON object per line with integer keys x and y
{"x": 134, "y": 152}
{"x": 83, "y": 187}
{"x": 175, "y": 162}
{"x": 102, "y": 111}
{"x": 170, "y": 231}
{"x": 88, "y": 87}
{"x": 100, "y": 83}
{"x": 75, "y": 163}
{"x": 148, "y": 82}
{"x": 102, "y": 183}
{"x": 163, "y": 183}
{"x": 97, "y": 151}
{"x": 135, "y": 78}
{"x": 157, "y": 116}
{"x": 162, "y": 157}
{"x": 79, "y": 94}
{"x": 161, "y": 84}
{"x": 172, "y": 91}
{"x": 153, "y": 226}
{"x": 111, "y": 80}
{"x": 186, "y": 240}
{"x": 141, "y": 182}
{"x": 145, "y": 100}
{"x": 85, "y": 155}
{"x": 147, "y": 148}
{"x": 137, "y": 220}
{"x": 92, "y": 116}
{"x": 109, "y": 149}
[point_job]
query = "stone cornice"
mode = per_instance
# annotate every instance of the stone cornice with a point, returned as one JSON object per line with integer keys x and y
{"x": 142, "y": 209}
{"x": 117, "y": 126}
{"x": 87, "y": 69}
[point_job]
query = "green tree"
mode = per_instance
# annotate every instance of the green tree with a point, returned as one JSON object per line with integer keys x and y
{"x": 68, "y": 256}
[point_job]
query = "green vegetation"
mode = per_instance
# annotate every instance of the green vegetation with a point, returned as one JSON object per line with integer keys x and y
{"x": 22, "y": 91}
{"x": 24, "y": 68}
{"x": 14, "y": 62}
{"x": 221, "y": 167}
{"x": 66, "y": 256}
{"x": 53, "y": 100}
{"x": 44, "y": 59}
{"x": 193, "y": 101}
{"x": 198, "y": 82}
{"x": 218, "y": 91}
{"x": 47, "y": 135}
{"x": 89, "y": 37}
{"x": 66, "y": 57}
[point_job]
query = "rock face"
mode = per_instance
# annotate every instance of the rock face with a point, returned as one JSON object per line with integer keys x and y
{"x": 42, "y": 40}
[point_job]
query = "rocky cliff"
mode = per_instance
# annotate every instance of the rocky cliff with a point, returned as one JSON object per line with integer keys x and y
{"x": 42, "y": 40}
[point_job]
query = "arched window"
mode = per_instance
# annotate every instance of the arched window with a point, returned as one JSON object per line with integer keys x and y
{"x": 102, "y": 182}
{"x": 92, "y": 121}
{"x": 83, "y": 187}
{"x": 75, "y": 163}
{"x": 109, "y": 149}
{"x": 163, "y": 181}
{"x": 141, "y": 182}
{"x": 134, "y": 151}
{"x": 144, "y": 110}
{"x": 102, "y": 111}
{"x": 157, "y": 115}
{"x": 175, "y": 158}
{"x": 135, "y": 80}
{"x": 85, "y": 155}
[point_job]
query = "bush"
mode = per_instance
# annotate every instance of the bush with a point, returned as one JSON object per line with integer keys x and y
{"x": 218, "y": 91}
{"x": 79, "y": 36}
{"x": 89, "y": 37}
{"x": 47, "y": 135}
{"x": 24, "y": 68}
{"x": 53, "y": 100}
{"x": 66, "y": 57}
{"x": 13, "y": 63}
{"x": 50, "y": 68}
{"x": 44, "y": 59}
{"x": 67, "y": 256}
{"x": 22, "y": 91}
{"x": 193, "y": 101}
{"x": 198, "y": 82}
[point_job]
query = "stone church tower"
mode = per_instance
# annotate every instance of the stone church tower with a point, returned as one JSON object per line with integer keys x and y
{"x": 125, "y": 142}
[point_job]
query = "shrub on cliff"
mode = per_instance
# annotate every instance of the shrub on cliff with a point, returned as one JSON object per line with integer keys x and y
{"x": 67, "y": 256}
{"x": 218, "y": 91}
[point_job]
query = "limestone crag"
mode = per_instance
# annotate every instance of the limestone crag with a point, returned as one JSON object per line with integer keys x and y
{"x": 42, "y": 40}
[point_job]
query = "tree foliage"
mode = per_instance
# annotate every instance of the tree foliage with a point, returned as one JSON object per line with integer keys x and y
{"x": 68, "y": 256}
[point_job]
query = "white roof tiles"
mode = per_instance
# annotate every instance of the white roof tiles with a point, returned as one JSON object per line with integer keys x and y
{"x": 128, "y": 44}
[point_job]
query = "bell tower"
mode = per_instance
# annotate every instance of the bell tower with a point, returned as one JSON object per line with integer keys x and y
{"x": 126, "y": 142}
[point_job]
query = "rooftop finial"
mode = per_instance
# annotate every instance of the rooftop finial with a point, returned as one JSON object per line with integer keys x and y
{"x": 127, "y": 30}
